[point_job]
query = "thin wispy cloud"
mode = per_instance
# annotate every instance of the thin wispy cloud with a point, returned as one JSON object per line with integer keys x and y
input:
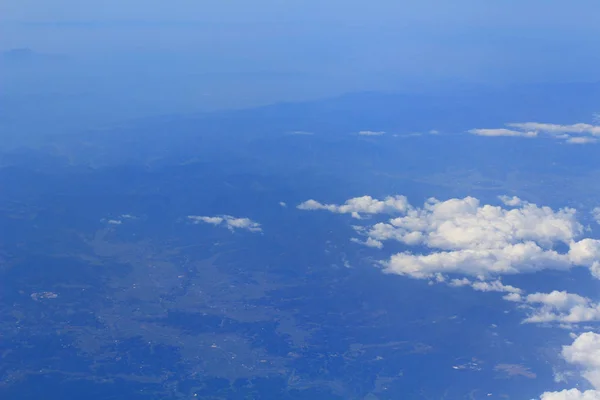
{"x": 485, "y": 286}
{"x": 371, "y": 133}
{"x": 119, "y": 219}
{"x": 556, "y": 129}
{"x": 227, "y": 221}
{"x": 301, "y": 133}
{"x": 580, "y": 133}
{"x": 502, "y": 132}
{"x": 581, "y": 140}
{"x": 368, "y": 242}
{"x": 596, "y": 214}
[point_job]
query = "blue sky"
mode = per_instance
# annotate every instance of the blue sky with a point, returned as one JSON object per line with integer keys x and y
{"x": 207, "y": 55}
{"x": 467, "y": 40}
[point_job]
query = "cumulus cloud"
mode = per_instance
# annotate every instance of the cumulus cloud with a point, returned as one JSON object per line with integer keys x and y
{"x": 561, "y": 307}
{"x": 462, "y": 236}
{"x": 580, "y": 133}
{"x": 358, "y": 205}
{"x": 371, "y": 133}
{"x": 584, "y": 352}
{"x": 231, "y": 223}
{"x": 469, "y": 238}
{"x": 480, "y": 243}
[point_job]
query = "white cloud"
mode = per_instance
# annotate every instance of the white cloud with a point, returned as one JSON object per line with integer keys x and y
{"x": 462, "y": 236}
{"x": 561, "y": 307}
{"x": 228, "y": 221}
{"x": 596, "y": 214}
{"x": 283, "y": 204}
{"x": 585, "y": 252}
{"x": 208, "y": 220}
{"x": 579, "y": 133}
{"x": 565, "y": 310}
{"x": 472, "y": 239}
{"x": 585, "y": 353}
{"x": 486, "y": 286}
{"x": 514, "y": 259}
{"x": 364, "y": 204}
{"x": 581, "y": 140}
{"x": 119, "y": 220}
{"x": 371, "y": 133}
{"x": 556, "y": 129}
{"x": 466, "y": 238}
{"x": 501, "y": 132}
{"x": 511, "y": 201}
{"x": 243, "y": 223}
{"x": 369, "y": 242}
{"x": 562, "y": 376}
{"x": 514, "y": 297}
{"x": 571, "y": 394}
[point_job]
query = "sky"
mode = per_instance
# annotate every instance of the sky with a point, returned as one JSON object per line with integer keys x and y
{"x": 464, "y": 39}
{"x": 206, "y": 55}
